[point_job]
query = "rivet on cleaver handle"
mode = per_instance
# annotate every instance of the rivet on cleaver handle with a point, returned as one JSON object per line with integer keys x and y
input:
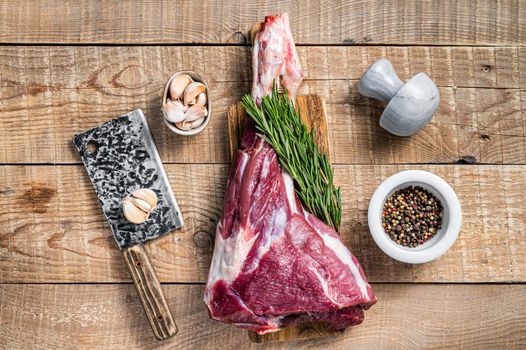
{"x": 120, "y": 157}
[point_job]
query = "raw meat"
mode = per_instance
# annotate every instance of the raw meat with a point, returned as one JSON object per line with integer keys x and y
{"x": 274, "y": 58}
{"x": 275, "y": 264}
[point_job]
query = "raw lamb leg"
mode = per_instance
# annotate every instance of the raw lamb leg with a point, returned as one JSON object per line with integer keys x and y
{"x": 275, "y": 264}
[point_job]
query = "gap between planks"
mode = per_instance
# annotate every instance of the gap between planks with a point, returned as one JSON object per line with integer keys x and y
{"x": 457, "y": 163}
{"x": 204, "y": 44}
{"x": 203, "y": 283}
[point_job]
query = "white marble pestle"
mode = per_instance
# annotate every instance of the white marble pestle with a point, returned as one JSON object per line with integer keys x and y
{"x": 410, "y": 105}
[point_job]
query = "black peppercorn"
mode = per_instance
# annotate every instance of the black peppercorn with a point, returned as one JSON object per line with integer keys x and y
{"x": 411, "y": 216}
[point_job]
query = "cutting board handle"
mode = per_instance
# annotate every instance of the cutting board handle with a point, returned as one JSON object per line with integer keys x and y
{"x": 150, "y": 292}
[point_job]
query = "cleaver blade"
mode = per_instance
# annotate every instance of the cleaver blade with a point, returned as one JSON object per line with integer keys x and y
{"x": 120, "y": 157}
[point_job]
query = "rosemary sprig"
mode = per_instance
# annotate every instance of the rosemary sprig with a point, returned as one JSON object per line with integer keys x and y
{"x": 298, "y": 153}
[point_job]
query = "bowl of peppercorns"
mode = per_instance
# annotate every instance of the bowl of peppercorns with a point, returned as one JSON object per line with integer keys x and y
{"x": 414, "y": 216}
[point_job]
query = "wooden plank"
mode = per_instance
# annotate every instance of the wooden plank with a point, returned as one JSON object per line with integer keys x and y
{"x": 148, "y": 67}
{"x": 111, "y": 317}
{"x": 38, "y": 128}
{"x": 312, "y": 22}
{"x": 52, "y": 229}
{"x": 48, "y": 94}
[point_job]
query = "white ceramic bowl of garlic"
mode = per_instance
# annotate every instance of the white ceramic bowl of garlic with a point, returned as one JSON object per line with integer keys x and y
{"x": 186, "y": 104}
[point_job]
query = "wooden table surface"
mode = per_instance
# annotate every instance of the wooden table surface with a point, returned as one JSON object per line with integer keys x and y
{"x": 66, "y": 66}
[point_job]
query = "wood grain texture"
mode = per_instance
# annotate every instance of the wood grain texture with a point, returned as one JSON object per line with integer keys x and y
{"x": 52, "y": 228}
{"x": 288, "y": 334}
{"x": 150, "y": 292}
{"x": 53, "y": 231}
{"x": 47, "y": 94}
{"x": 147, "y": 67}
{"x": 313, "y": 114}
{"x": 312, "y": 22}
{"x": 405, "y": 317}
{"x": 236, "y": 127}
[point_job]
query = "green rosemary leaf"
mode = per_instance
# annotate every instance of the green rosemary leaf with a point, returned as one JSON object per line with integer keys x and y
{"x": 298, "y": 153}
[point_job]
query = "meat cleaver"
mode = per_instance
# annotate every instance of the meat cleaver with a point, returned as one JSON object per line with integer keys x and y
{"x": 120, "y": 157}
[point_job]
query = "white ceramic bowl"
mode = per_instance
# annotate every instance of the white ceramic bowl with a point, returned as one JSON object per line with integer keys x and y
{"x": 451, "y": 217}
{"x": 175, "y": 129}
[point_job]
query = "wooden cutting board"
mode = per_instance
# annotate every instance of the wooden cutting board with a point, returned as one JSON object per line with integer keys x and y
{"x": 312, "y": 113}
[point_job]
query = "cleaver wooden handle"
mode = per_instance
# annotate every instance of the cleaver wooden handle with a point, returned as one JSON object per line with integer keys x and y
{"x": 150, "y": 292}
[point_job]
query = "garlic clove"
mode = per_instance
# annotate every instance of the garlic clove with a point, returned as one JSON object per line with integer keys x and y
{"x": 178, "y": 86}
{"x": 192, "y": 91}
{"x": 132, "y": 213}
{"x": 201, "y": 99}
{"x": 174, "y": 111}
{"x": 138, "y": 206}
{"x": 197, "y": 123}
{"x": 195, "y": 112}
{"x": 146, "y": 195}
{"x": 192, "y": 102}
{"x": 141, "y": 204}
{"x": 183, "y": 125}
